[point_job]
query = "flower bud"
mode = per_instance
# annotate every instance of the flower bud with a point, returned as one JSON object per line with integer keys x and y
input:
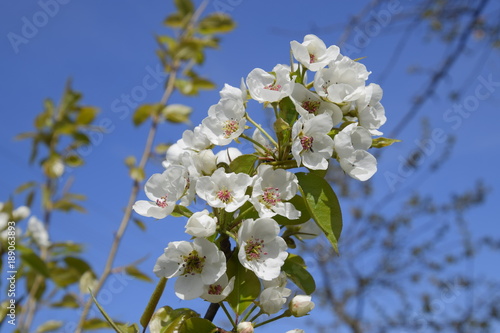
{"x": 245, "y": 327}
{"x": 301, "y": 305}
{"x": 205, "y": 161}
{"x": 228, "y": 155}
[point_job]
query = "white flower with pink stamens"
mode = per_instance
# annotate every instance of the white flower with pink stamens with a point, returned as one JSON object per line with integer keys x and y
{"x": 261, "y": 249}
{"x": 224, "y": 190}
{"x": 267, "y": 87}
{"x": 312, "y": 147}
{"x": 196, "y": 264}
{"x": 271, "y": 189}
{"x": 219, "y": 290}
{"x": 313, "y": 54}
{"x": 163, "y": 189}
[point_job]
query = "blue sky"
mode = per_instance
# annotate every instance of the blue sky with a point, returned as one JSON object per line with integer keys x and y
{"x": 108, "y": 49}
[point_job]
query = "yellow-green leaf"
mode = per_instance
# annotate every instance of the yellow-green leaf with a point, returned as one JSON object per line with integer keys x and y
{"x": 383, "y": 142}
{"x": 216, "y": 23}
{"x": 49, "y": 326}
{"x": 177, "y": 113}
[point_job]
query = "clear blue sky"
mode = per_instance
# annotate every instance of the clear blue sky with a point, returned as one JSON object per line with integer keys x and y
{"x": 108, "y": 48}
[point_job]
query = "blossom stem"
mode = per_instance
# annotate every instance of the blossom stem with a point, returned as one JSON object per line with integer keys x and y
{"x": 246, "y": 137}
{"x": 240, "y": 218}
{"x": 249, "y": 312}
{"x": 283, "y": 315}
{"x": 289, "y": 164}
{"x": 261, "y": 129}
{"x": 256, "y": 316}
{"x": 227, "y": 314}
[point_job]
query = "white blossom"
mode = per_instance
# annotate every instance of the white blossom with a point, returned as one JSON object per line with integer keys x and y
{"x": 371, "y": 112}
{"x": 201, "y": 224}
{"x": 312, "y": 147}
{"x": 271, "y": 189}
{"x": 195, "y": 264}
{"x": 224, "y": 190}
{"x": 301, "y": 305}
{"x": 219, "y": 290}
{"x": 261, "y": 249}
{"x": 266, "y": 87}
{"x": 309, "y": 104}
{"x": 227, "y": 155}
{"x": 351, "y": 145}
{"x": 163, "y": 190}
{"x": 225, "y": 122}
{"x": 272, "y": 299}
{"x": 245, "y": 327}
{"x": 313, "y": 54}
{"x": 38, "y": 233}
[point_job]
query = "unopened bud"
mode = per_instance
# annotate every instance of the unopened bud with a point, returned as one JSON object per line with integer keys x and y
{"x": 245, "y": 327}
{"x": 301, "y": 305}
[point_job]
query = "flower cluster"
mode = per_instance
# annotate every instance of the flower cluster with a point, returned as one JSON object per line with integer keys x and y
{"x": 252, "y": 195}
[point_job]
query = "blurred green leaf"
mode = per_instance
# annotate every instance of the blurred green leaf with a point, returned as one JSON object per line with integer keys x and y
{"x": 106, "y": 316}
{"x": 86, "y": 115}
{"x": 177, "y": 113}
{"x": 144, "y": 112}
{"x": 137, "y": 174}
{"x": 49, "y": 326}
{"x": 24, "y": 187}
{"x": 135, "y": 272}
{"x": 73, "y": 161}
{"x": 139, "y": 223}
{"x": 31, "y": 259}
{"x": 185, "y": 7}
{"x": 69, "y": 300}
{"x": 383, "y": 142}
{"x": 216, "y": 23}
{"x": 96, "y": 323}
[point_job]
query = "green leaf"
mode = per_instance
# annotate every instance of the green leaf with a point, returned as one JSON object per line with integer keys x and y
{"x": 153, "y": 302}
{"x": 31, "y": 259}
{"x": 135, "y": 272}
{"x": 243, "y": 164}
{"x": 86, "y": 115}
{"x": 323, "y": 205}
{"x": 67, "y": 206}
{"x": 68, "y": 301}
{"x": 185, "y": 7}
{"x": 300, "y": 205}
{"x": 49, "y": 326}
{"x": 198, "y": 325}
{"x": 106, "y": 316}
{"x": 162, "y": 148}
{"x": 73, "y": 161}
{"x": 145, "y": 111}
{"x": 130, "y": 161}
{"x": 167, "y": 320}
{"x": 383, "y": 142}
{"x": 87, "y": 282}
{"x": 137, "y": 174}
{"x": 126, "y": 328}
{"x": 24, "y": 187}
{"x": 205, "y": 84}
{"x": 246, "y": 286}
{"x": 176, "y": 20}
{"x": 177, "y": 113}
{"x": 79, "y": 264}
{"x": 294, "y": 268}
{"x": 216, "y": 23}
{"x": 139, "y": 223}
{"x": 95, "y": 324}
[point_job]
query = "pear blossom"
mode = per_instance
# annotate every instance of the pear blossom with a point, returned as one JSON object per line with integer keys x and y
{"x": 312, "y": 147}
{"x": 271, "y": 189}
{"x": 227, "y": 155}
{"x": 272, "y": 299}
{"x": 196, "y": 265}
{"x": 244, "y": 327}
{"x": 236, "y": 94}
{"x": 38, "y": 233}
{"x": 219, "y": 290}
{"x": 201, "y": 224}
{"x": 266, "y": 87}
{"x": 297, "y": 330}
{"x": 225, "y": 122}
{"x": 224, "y": 190}
{"x": 261, "y": 249}
{"x": 351, "y": 145}
{"x": 301, "y": 305}
{"x": 371, "y": 113}
{"x": 343, "y": 81}
{"x": 163, "y": 190}
{"x": 309, "y": 104}
{"x": 313, "y": 54}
